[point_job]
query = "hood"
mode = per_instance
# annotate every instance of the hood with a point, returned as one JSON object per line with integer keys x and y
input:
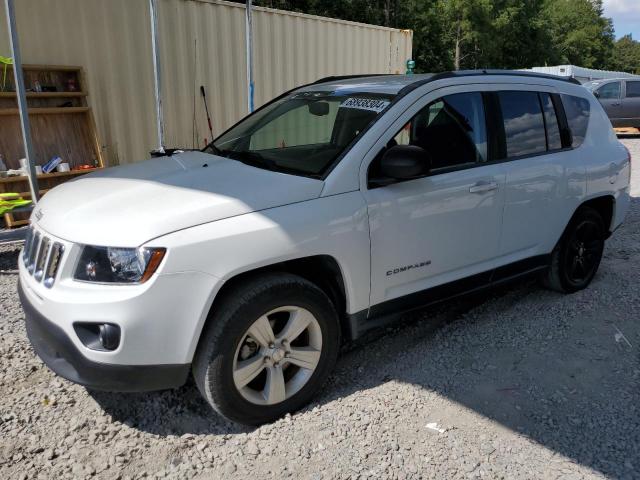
{"x": 129, "y": 205}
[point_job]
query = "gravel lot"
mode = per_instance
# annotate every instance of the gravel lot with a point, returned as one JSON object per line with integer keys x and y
{"x": 520, "y": 382}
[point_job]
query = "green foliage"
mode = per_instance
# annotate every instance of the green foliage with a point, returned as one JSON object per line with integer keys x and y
{"x": 580, "y": 35}
{"x": 490, "y": 33}
{"x": 519, "y": 33}
{"x": 626, "y": 55}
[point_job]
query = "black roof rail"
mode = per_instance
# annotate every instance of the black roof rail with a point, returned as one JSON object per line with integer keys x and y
{"x": 519, "y": 73}
{"x": 335, "y": 78}
{"x": 450, "y": 74}
{"x": 471, "y": 73}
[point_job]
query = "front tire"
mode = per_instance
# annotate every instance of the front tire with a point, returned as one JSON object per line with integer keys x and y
{"x": 267, "y": 348}
{"x": 576, "y": 258}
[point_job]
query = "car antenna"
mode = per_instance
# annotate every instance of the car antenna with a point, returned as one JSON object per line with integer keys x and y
{"x": 206, "y": 109}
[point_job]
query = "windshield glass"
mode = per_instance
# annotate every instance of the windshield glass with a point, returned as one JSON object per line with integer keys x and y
{"x": 593, "y": 84}
{"x": 302, "y": 133}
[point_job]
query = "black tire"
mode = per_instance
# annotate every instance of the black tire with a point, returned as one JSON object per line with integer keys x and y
{"x": 583, "y": 239}
{"x": 227, "y": 327}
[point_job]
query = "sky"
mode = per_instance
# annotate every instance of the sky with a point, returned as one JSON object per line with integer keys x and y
{"x": 625, "y": 15}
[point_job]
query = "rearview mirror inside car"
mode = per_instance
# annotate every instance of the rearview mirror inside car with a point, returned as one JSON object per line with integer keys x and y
{"x": 319, "y": 109}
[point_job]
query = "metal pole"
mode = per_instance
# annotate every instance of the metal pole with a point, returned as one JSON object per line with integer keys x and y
{"x": 249, "y": 42}
{"x": 22, "y": 100}
{"x": 156, "y": 74}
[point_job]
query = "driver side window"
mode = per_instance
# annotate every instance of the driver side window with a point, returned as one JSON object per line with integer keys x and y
{"x": 609, "y": 90}
{"x": 452, "y": 131}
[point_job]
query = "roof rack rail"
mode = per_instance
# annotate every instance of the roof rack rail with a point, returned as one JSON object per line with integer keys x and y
{"x": 471, "y": 73}
{"x": 334, "y": 78}
{"x": 519, "y": 73}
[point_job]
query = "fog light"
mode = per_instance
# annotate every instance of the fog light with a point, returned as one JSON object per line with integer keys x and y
{"x": 98, "y": 336}
{"x": 109, "y": 336}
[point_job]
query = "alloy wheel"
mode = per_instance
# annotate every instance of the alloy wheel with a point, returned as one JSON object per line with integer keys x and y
{"x": 277, "y": 355}
{"x": 584, "y": 248}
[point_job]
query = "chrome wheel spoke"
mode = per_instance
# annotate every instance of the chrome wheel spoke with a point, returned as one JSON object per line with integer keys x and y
{"x": 247, "y": 370}
{"x": 304, "y": 357}
{"x": 277, "y": 355}
{"x": 298, "y": 322}
{"x": 274, "y": 389}
{"x": 262, "y": 332}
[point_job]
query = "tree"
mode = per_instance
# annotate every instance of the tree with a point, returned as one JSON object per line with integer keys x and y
{"x": 430, "y": 48}
{"x": 467, "y": 24}
{"x": 626, "y": 55}
{"x": 579, "y": 33}
{"x": 519, "y": 36}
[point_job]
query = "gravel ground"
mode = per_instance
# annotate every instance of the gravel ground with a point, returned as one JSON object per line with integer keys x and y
{"x": 519, "y": 383}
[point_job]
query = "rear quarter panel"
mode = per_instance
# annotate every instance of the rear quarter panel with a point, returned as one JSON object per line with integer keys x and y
{"x": 606, "y": 162}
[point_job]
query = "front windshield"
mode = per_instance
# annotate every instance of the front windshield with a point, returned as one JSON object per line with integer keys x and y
{"x": 593, "y": 84}
{"x": 302, "y": 133}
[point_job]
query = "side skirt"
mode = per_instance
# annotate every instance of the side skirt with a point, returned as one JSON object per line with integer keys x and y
{"x": 387, "y": 312}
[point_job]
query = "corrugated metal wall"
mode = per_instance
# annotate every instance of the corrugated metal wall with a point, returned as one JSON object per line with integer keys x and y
{"x": 202, "y": 42}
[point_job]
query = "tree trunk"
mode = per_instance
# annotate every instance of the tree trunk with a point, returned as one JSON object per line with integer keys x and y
{"x": 387, "y": 8}
{"x": 456, "y": 60}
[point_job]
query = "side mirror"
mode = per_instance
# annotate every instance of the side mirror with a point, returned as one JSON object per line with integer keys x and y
{"x": 596, "y": 94}
{"x": 403, "y": 162}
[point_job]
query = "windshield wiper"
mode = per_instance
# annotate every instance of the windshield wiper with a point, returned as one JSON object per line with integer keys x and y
{"x": 254, "y": 159}
{"x": 214, "y": 150}
{"x": 168, "y": 152}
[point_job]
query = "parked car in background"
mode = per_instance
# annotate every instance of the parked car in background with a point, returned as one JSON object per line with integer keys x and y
{"x": 325, "y": 213}
{"x": 620, "y": 98}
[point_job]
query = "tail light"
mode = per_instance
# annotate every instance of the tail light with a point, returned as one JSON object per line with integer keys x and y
{"x": 628, "y": 160}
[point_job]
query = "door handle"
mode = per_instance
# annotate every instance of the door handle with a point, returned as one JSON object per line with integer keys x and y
{"x": 483, "y": 187}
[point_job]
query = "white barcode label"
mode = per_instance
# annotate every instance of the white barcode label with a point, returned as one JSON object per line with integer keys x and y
{"x": 373, "y": 104}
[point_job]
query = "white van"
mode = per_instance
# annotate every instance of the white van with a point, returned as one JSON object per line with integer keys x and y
{"x": 325, "y": 213}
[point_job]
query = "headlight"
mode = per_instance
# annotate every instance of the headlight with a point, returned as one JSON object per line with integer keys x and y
{"x": 117, "y": 265}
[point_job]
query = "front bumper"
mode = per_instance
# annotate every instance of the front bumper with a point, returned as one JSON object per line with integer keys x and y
{"x": 59, "y": 353}
{"x": 160, "y": 320}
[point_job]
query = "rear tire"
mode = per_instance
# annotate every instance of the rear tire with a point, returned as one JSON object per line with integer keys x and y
{"x": 576, "y": 258}
{"x": 267, "y": 348}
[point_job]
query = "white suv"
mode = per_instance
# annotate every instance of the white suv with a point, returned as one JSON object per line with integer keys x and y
{"x": 325, "y": 213}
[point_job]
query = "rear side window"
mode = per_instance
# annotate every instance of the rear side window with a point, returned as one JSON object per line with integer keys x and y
{"x": 577, "y": 110}
{"x": 554, "y": 142}
{"x": 523, "y": 123}
{"x": 633, "y": 89}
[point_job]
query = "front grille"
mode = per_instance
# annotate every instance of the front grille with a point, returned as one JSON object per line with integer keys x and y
{"x": 42, "y": 256}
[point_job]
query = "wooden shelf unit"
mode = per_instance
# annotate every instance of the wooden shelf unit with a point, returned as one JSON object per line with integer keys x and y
{"x": 45, "y": 110}
{"x": 62, "y": 124}
{"x": 45, "y": 94}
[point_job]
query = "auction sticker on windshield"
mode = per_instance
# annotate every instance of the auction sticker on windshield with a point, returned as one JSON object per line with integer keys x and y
{"x": 373, "y": 104}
